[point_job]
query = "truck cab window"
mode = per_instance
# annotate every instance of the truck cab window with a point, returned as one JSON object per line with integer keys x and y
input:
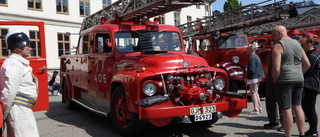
{"x": 103, "y": 43}
{"x": 232, "y": 42}
{"x": 145, "y": 42}
{"x": 84, "y": 45}
{"x": 203, "y": 45}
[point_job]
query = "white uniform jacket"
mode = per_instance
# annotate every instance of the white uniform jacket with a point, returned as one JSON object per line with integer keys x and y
{"x": 16, "y": 78}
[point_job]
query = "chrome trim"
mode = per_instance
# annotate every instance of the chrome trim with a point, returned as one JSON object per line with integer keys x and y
{"x": 89, "y": 108}
{"x": 227, "y": 63}
{"x": 233, "y": 67}
{"x": 236, "y": 73}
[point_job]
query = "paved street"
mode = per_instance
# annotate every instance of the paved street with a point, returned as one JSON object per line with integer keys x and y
{"x": 60, "y": 122}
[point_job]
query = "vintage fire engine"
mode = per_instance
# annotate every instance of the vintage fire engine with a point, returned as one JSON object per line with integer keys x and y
{"x": 228, "y": 50}
{"x": 229, "y": 53}
{"x": 37, "y": 59}
{"x": 137, "y": 72}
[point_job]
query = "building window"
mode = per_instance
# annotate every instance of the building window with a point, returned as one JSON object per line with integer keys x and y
{"x": 35, "y": 43}
{"x": 176, "y": 18}
{"x": 63, "y": 44}
{"x": 62, "y": 6}
{"x": 189, "y": 19}
{"x": 3, "y": 3}
{"x": 106, "y": 3}
{"x": 84, "y": 7}
{"x": 206, "y": 8}
{"x": 35, "y": 4}
{"x": 3, "y": 51}
{"x": 198, "y": 6}
{"x": 161, "y": 19}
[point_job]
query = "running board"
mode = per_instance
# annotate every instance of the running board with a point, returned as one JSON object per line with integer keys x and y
{"x": 90, "y": 106}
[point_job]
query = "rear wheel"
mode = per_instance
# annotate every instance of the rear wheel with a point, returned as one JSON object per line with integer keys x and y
{"x": 125, "y": 122}
{"x": 66, "y": 98}
{"x": 233, "y": 85}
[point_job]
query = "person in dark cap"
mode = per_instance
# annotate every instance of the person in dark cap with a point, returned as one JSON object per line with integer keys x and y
{"x": 19, "y": 87}
{"x": 54, "y": 82}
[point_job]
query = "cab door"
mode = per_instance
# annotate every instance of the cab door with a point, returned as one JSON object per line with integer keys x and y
{"x": 100, "y": 63}
{"x": 205, "y": 47}
{"x": 38, "y": 59}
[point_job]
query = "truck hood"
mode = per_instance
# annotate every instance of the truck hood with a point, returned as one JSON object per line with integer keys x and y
{"x": 159, "y": 62}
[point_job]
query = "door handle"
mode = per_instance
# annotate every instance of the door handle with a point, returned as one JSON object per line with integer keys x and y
{"x": 42, "y": 68}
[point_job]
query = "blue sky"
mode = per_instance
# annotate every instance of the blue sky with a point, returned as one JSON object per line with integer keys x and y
{"x": 218, "y": 5}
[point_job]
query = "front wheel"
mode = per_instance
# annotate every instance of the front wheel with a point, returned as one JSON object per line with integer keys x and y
{"x": 126, "y": 123}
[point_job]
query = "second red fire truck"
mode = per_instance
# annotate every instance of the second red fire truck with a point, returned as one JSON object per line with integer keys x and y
{"x": 137, "y": 72}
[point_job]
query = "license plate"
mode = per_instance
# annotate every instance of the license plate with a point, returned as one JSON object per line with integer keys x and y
{"x": 203, "y": 117}
{"x": 206, "y": 109}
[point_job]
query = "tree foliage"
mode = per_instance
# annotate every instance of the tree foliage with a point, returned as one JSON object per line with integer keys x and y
{"x": 231, "y": 4}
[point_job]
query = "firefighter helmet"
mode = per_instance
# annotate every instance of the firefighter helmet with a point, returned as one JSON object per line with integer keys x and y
{"x": 15, "y": 39}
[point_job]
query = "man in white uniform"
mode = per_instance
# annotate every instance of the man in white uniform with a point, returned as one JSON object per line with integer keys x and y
{"x": 18, "y": 88}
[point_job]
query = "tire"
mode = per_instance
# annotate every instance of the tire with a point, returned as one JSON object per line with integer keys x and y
{"x": 233, "y": 85}
{"x": 204, "y": 123}
{"x": 126, "y": 123}
{"x": 65, "y": 97}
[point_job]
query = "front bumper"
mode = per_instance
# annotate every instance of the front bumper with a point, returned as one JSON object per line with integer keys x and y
{"x": 167, "y": 109}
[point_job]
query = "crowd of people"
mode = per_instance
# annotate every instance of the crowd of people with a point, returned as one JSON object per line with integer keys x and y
{"x": 292, "y": 83}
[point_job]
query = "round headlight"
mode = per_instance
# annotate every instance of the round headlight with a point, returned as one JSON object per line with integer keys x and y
{"x": 219, "y": 83}
{"x": 235, "y": 59}
{"x": 150, "y": 88}
{"x": 170, "y": 87}
{"x": 170, "y": 78}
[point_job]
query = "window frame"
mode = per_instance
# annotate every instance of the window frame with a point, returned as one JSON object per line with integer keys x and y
{"x": 5, "y": 4}
{"x": 162, "y": 19}
{"x": 62, "y": 7}
{"x": 177, "y": 18}
{"x": 85, "y": 14}
{"x": 63, "y": 42}
{"x": 189, "y": 18}
{"x": 36, "y": 41}
{"x": 3, "y": 47}
{"x": 34, "y": 5}
{"x": 107, "y": 3}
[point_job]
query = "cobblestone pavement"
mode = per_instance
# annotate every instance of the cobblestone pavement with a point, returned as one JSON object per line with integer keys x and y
{"x": 60, "y": 122}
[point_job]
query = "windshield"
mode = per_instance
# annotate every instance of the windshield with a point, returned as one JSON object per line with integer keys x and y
{"x": 232, "y": 42}
{"x": 147, "y": 41}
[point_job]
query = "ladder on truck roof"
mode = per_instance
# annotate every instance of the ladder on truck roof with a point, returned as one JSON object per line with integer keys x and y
{"x": 307, "y": 20}
{"x": 249, "y": 15}
{"x": 136, "y": 9}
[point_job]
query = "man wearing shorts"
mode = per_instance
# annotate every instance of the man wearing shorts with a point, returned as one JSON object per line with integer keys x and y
{"x": 289, "y": 62}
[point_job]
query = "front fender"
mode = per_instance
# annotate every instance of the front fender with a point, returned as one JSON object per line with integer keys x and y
{"x": 234, "y": 71}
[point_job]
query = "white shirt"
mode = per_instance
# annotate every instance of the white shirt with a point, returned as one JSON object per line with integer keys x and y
{"x": 16, "y": 78}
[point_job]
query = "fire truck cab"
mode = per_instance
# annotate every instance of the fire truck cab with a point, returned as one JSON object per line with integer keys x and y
{"x": 228, "y": 52}
{"x": 138, "y": 72}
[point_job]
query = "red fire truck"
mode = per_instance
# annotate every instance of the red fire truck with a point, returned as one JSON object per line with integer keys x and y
{"x": 137, "y": 72}
{"x": 37, "y": 59}
{"x": 229, "y": 53}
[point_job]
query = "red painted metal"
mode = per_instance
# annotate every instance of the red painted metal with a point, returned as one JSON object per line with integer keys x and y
{"x": 36, "y": 63}
{"x": 96, "y": 75}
